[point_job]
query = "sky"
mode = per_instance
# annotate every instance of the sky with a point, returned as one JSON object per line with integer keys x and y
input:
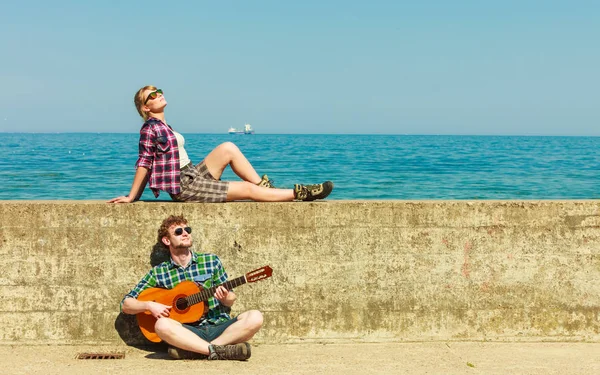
{"x": 314, "y": 67}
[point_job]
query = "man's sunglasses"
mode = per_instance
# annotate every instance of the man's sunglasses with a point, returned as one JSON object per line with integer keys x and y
{"x": 179, "y": 231}
{"x": 153, "y": 95}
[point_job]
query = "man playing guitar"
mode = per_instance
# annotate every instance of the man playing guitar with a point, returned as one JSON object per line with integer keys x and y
{"x": 216, "y": 335}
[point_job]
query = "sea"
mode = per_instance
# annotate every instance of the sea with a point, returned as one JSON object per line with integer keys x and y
{"x": 100, "y": 166}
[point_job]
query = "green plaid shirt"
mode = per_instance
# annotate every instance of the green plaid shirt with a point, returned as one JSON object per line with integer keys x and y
{"x": 204, "y": 269}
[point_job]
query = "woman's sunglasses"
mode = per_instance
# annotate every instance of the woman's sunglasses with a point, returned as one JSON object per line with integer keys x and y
{"x": 153, "y": 95}
{"x": 179, "y": 231}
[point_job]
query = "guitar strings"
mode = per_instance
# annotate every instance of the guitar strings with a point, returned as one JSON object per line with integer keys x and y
{"x": 205, "y": 294}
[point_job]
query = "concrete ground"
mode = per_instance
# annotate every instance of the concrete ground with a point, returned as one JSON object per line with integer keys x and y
{"x": 380, "y": 358}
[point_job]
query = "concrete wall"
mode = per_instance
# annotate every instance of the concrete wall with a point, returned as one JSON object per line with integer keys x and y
{"x": 361, "y": 271}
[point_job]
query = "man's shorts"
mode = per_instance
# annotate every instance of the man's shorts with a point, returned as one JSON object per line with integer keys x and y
{"x": 198, "y": 185}
{"x": 208, "y": 332}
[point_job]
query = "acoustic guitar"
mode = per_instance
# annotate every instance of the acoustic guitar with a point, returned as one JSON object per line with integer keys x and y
{"x": 188, "y": 300}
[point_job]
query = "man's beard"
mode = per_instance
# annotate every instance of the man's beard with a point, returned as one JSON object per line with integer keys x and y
{"x": 183, "y": 246}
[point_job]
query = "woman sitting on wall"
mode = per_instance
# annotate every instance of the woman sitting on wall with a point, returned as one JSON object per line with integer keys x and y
{"x": 164, "y": 162}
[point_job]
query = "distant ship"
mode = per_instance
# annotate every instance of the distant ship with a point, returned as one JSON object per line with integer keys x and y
{"x": 247, "y": 130}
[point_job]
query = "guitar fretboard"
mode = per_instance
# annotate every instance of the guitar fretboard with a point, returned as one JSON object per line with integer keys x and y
{"x": 205, "y": 294}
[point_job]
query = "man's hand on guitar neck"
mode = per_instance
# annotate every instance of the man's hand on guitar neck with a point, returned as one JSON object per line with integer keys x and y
{"x": 226, "y": 297}
{"x": 158, "y": 310}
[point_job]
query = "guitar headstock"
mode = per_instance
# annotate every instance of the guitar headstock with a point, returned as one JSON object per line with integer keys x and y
{"x": 259, "y": 274}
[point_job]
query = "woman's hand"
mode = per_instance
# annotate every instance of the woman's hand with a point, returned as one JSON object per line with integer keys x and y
{"x": 139, "y": 181}
{"x": 122, "y": 199}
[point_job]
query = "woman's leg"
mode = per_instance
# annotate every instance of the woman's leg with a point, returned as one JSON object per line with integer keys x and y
{"x": 240, "y": 190}
{"x": 229, "y": 154}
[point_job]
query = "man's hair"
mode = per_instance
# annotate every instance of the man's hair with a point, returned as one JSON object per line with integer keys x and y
{"x": 167, "y": 223}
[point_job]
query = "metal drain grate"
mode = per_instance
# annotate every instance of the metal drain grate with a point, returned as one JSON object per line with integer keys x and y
{"x": 100, "y": 356}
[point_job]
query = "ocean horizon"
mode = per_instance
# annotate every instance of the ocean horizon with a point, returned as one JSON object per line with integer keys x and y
{"x": 97, "y": 165}
{"x": 340, "y": 134}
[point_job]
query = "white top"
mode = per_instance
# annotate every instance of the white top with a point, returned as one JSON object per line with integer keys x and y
{"x": 183, "y": 156}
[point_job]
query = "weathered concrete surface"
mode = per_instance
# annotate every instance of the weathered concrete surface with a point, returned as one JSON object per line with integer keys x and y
{"x": 343, "y": 271}
{"x": 379, "y": 358}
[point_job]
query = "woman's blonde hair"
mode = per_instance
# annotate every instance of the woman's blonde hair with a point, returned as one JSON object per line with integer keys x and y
{"x": 139, "y": 100}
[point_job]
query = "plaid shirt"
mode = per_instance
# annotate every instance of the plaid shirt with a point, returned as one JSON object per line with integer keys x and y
{"x": 205, "y": 269}
{"x": 159, "y": 153}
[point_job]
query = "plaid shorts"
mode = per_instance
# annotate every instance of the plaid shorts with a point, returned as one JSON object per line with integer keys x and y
{"x": 198, "y": 185}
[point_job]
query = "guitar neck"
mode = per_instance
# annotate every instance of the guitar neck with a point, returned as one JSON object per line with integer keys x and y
{"x": 205, "y": 294}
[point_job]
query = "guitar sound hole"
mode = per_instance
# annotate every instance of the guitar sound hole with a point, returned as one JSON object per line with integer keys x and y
{"x": 181, "y": 304}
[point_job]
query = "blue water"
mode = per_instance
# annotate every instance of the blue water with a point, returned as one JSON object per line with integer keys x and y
{"x": 101, "y": 166}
